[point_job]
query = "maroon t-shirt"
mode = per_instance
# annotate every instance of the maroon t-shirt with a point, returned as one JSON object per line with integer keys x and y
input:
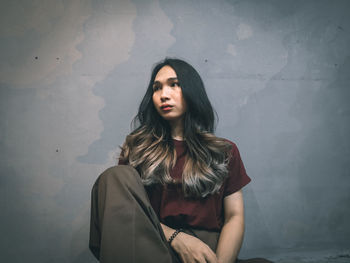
{"x": 175, "y": 211}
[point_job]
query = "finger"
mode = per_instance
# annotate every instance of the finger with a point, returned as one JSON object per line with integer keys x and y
{"x": 211, "y": 259}
{"x": 201, "y": 259}
{"x": 210, "y": 256}
{"x": 185, "y": 259}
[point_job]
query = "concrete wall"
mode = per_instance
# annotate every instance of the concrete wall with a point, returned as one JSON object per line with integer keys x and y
{"x": 72, "y": 74}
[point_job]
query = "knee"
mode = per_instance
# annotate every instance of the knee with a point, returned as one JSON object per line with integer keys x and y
{"x": 121, "y": 174}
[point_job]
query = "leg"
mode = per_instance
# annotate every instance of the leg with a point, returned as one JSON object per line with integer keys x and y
{"x": 124, "y": 227}
{"x": 211, "y": 238}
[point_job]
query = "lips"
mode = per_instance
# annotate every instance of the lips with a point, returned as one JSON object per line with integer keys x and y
{"x": 166, "y": 107}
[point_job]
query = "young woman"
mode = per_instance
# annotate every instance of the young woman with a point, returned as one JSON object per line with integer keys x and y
{"x": 176, "y": 194}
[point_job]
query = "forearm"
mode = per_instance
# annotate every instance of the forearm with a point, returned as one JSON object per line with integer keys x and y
{"x": 189, "y": 248}
{"x": 168, "y": 231}
{"x": 231, "y": 238}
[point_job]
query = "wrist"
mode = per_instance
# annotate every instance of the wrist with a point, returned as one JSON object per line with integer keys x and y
{"x": 174, "y": 235}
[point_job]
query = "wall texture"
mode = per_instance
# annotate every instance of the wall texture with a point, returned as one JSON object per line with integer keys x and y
{"x": 72, "y": 74}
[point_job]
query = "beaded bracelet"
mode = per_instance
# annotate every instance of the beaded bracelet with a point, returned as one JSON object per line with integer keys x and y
{"x": 174, "y": 235}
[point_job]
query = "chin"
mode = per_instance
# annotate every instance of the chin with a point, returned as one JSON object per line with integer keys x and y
{"x": 167, "y": 118}
{"x": 171, "y": 118}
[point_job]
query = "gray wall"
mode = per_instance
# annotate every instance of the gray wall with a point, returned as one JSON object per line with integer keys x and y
{"x": 72, "y": 74}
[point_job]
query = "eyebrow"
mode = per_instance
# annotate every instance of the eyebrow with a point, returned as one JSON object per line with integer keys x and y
{"x": 168, "y": 80}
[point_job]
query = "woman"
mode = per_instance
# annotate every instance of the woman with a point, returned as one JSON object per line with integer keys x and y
{"x": 176, "y": 194}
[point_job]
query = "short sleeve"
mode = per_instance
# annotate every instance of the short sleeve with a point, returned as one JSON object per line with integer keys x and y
{"x": 237, "y": 177}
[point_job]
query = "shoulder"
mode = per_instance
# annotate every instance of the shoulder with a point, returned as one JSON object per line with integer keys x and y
{"x": 233, "y": 147}
{"x": 230, "y": 142}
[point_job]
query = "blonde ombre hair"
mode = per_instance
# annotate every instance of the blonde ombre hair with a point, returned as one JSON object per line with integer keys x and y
{"x": 150, "y": 148}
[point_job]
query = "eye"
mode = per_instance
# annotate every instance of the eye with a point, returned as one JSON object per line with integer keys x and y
{"x": 175, "y": 84}
{"x": 156, "y": 87}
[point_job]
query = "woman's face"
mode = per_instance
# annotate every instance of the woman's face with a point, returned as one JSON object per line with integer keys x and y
{"x": 167, "y": 95}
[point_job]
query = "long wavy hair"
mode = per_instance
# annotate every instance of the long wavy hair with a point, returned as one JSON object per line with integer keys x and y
{"x": 150, "y": 148}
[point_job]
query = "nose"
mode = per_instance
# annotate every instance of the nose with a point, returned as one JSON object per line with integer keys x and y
{"x": 165, "y": 94}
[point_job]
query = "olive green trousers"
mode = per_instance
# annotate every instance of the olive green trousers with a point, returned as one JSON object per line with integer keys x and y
{"x": 124, "y": 226}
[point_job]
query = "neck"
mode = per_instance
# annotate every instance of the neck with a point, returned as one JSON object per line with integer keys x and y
{"x": 177, "y": 130}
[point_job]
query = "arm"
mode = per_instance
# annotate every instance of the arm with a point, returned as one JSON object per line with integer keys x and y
{"x": 168, "y": 231}
{"x": 232, "y": 232}
{"x": 189, "y": 248}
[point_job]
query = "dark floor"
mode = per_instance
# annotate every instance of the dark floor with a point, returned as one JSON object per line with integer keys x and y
{"x": 336, "y": 259}
{"x": 306, "y": 256}
{"x": 322, "y": 256}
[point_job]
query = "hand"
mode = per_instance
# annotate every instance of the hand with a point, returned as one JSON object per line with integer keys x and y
{"x": 191, "y": 249}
